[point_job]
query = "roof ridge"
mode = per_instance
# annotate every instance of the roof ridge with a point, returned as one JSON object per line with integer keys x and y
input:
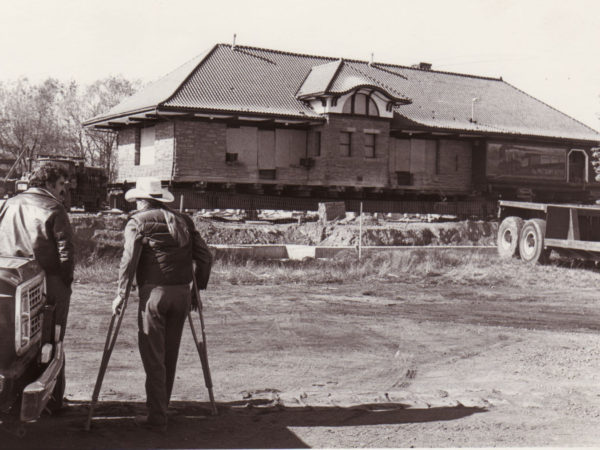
{"x": 237, "y": 49}
{"x": 332, "y": 58}
{"x": 340, "y": 63}
{"x": 552, "y": 107}
{"x": 205, "y": 53}
{"x": 443, "y": 72}
{"x": 377, "y": 66}
{"x": 189, "y": 75}
{"x": 281, "y": 52}
{"x": 377, "y": 81}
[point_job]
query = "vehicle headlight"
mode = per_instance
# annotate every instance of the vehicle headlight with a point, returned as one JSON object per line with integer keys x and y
{"x": 23, "y": 318}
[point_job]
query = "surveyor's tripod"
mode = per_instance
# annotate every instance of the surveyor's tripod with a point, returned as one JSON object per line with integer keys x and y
{"x": 111, "y": 338}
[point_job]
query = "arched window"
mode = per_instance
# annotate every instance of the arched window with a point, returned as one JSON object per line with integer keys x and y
{"x": 577, "y": 171}
{"x": 361, "y": 104}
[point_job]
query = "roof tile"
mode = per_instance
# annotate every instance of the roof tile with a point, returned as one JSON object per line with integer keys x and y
{"x": 262, "y": 81}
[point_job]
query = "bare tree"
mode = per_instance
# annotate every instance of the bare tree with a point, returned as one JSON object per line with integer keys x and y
{"x": 29, "y": 119}
{"x": 48, "y": 119}
{"x": 96, "y": 146}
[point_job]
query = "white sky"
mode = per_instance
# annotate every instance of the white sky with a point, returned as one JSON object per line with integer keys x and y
{"x": 548, "y": 48}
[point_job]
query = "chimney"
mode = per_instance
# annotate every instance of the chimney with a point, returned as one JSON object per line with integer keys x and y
{"x": 422, "y": 66}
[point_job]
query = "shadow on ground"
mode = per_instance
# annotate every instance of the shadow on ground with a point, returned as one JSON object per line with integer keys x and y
{"x": 238, "y": 425}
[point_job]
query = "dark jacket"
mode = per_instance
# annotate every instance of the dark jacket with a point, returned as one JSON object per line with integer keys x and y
{"x": 167, "y": 243}
{"x": 35, "y": 224}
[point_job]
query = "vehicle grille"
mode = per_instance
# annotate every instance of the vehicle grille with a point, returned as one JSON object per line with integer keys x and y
{"x": 36, "y": 302}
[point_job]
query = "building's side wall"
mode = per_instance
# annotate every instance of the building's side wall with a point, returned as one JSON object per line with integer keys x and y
{"x": 202, "y": 149}
{"x": 432, "y": 163}
{"x": 358, "y": 169}
{"x": 129, "y": 140}
{"x": 200, "y": 152}
{"x": 534, "y": 161}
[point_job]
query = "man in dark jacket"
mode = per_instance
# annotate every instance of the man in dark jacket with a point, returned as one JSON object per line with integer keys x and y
{"x": 35, "y": 224}
{"x": 166, "y": 244}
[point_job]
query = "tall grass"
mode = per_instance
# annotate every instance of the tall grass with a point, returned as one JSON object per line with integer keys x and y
{"x": 438, "y": 266}
{"x": 103, "y": 270}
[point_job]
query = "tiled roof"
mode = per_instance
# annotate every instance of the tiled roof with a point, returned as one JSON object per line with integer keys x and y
{"x": 445, "y": 101}
{"x": 319, "y": 78}
{"x": 269, "y": 82}
{"x": 247, "y": 80}
{"x": 340, "y": 77}
{"x": 354, "y": 74}
{"x": 154, "y": 93}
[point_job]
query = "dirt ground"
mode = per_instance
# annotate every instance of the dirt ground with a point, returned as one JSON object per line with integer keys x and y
{"x": 415, "y": 363}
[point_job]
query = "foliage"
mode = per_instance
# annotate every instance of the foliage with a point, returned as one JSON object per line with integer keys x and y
{"x": 47, "y": 118}
{"x": 596, "y": 162}
{"x": 29, "y": 118}
{"x": 442, "y": 267}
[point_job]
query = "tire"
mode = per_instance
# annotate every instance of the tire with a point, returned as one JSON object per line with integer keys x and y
{"x": 509, "y": 232}
{"x": 531, "y": 242}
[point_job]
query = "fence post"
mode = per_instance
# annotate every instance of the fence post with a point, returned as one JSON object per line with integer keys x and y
{"x": 360, "y": 232}
{"x": 181, "y": 203}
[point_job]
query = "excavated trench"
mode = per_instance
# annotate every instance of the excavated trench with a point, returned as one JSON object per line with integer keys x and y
{"x": 101, "y": 236}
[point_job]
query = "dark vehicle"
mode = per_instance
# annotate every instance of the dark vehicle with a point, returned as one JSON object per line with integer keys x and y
{"x": 31, "y": 356}
{"x": 8, "y": 176}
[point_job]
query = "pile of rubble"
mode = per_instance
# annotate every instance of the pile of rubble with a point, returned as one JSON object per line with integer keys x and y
{"x": 101, "y": 235}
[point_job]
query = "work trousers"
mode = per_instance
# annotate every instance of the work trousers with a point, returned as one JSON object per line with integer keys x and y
{"x": 59, "y": 295}
{"x": 162, "y": 313}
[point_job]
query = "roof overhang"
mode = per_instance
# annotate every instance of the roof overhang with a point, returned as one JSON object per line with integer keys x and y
{"x": 156, "y": 114}
{"x": 440, "y": 133}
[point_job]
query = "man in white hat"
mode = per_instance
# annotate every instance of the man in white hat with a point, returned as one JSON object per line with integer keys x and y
{"x": 167, "y": 244}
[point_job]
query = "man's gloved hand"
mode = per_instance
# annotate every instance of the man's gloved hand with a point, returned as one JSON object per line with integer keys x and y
{"x": 117, "y": 305}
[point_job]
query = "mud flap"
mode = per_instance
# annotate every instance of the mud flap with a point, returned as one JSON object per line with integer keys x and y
{"x": 37, "y": 394}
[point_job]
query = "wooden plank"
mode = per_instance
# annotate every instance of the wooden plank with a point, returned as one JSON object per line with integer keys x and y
{"x": 266, "y": 149}
{"x": 543, "y": 206}
{"x": 590, "y": 246}
{"x": 573, "y": 225}
{"x": 523, "y": 205}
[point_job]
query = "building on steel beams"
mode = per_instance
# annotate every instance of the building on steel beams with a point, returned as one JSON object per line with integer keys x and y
{"x": 241, "y": 126}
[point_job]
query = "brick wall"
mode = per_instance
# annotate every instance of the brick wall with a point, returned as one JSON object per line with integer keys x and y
{"x": 128, "y": 171}
{"x": 443, "y": 164}
{"x": 357, "y": 169}
{"x": 200, "y": 147}
{"x": 200, "y": 153}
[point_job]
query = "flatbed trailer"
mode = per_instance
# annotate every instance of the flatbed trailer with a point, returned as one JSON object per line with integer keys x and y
{"x": 531, "y": 231}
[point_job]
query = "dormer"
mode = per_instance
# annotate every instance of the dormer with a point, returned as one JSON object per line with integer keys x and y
{"x": 349, "y": 87}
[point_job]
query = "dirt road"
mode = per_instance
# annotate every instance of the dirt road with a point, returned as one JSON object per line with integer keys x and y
{"x": 419, "y": 363}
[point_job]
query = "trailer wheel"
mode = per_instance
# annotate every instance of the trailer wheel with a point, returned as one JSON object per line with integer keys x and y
{"x": 531, "y": 242}
{"x": 508, "y": 237}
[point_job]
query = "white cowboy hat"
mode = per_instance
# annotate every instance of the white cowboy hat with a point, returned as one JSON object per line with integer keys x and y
{"x": 149, "y": 187}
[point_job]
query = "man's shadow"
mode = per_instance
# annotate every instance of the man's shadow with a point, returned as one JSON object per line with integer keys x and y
{"x": 242, "y": 424}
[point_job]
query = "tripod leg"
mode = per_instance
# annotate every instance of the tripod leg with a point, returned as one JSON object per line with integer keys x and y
{"x": 201, "y": 347}
{"x": 111, "y": 339}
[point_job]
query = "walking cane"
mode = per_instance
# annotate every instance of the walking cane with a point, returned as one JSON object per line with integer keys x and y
{"x": 111, "y": 339}
{"x": 201, "y": 347}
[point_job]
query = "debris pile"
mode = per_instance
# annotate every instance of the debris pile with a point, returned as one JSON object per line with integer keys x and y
{"x": 101, "y": 235}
